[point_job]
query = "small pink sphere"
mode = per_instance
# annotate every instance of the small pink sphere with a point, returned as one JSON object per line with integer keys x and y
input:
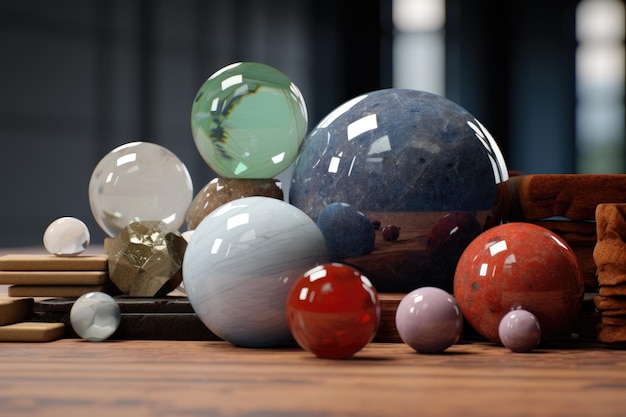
{"x": 520, "y": 331}
{"x": 429, "y": 320}
{"x": 333, "y": 311}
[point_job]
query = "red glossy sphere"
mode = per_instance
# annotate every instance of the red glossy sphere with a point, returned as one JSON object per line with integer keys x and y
{"x": 333, "y": 311}
{"x": 519, "y": 266}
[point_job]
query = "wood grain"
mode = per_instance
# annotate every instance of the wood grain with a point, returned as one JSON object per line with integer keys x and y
{"x": 14, "y": 310}
{"x": 42, "y": 262}
{"x": 73, "y": 377}
{"x": 55, "y": 290}
{"x": 574, "y": 196}
{"x": 31, "y": 332}
{"x": 54, "y": 277}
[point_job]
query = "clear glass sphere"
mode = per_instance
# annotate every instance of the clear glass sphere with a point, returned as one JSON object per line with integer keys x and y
{"x": 248, "y": 120}
{"x": 139, "y": 181}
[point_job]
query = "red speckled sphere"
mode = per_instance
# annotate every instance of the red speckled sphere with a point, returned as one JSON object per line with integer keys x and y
{"x": 333, "y": 311}
{"x": 519, "y": 266}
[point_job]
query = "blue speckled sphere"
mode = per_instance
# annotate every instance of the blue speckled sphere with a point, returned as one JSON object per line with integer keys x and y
{"x": 347, "y": 231}
{"x": 405, "y": 158}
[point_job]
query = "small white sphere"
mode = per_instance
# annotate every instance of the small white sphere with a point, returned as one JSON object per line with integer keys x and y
{"x": 66, "y": 236}
{"x": 95, "y": 316}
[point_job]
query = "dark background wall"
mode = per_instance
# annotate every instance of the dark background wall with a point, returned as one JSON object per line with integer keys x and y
{"x": 80, "y": 77}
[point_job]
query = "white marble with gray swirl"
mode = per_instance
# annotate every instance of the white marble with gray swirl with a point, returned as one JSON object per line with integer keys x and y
{"x": 240, "y": 264}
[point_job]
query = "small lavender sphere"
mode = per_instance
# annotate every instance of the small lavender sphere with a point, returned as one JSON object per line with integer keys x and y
{"x": 139, "y": 181}
{"x": 520, "y": 331}
{"x": 429, "y": 320}
{"x": 347, "y": 231}
{"x": 95, "y": 316}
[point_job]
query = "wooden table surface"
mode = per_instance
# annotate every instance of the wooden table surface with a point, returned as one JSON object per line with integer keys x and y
{"x": 72, "y": 377}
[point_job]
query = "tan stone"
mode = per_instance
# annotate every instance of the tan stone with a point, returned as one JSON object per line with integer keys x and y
{"x": 220, "y": 191}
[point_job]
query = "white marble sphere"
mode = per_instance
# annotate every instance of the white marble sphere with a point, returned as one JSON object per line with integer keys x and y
{"x": 66, "y": 236}
{"x": 139, "y": 181}
{"x": 95, "y": 316}
{"x": 241, "y": 262}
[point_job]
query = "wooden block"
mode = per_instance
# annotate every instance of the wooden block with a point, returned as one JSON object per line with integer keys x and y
{"x": 33, "y": 262}
{"x": 69, "y": 291}
{"x": 574, "y": 196}
{"x": 53, "y": 277}
{"x": 32, "y": 332}
{"x": 387, "y": 331}
{"x": 14, "y": 310}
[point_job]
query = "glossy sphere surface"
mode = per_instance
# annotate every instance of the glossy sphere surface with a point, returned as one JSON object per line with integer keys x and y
{"x": 429, "y": 320}
{"x": 95, "y": 316}
{"x": 240, "y": 263}
{"x": 347, "y": 231}
{"x": 220, "y": 191}
{"x": 248, "y": 121}
{"x": 391, "y": 233}
{"x": 398, "y": 150}
{"x": 445, "y": 243}
{"x": 333, "y": 311}
{"x": 139, "y": 181}
{"x": 405, "y": 158}
{"x": 519, "y": 266}
{"x": 66, "y": 236}
{"x": 520, "y": 331}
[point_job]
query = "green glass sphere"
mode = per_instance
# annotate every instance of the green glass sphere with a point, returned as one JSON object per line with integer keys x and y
{"x": 248, "y": 121}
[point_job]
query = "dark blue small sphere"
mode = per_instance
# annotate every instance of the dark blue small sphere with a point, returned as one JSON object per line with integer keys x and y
{"x": 347, "y": 231}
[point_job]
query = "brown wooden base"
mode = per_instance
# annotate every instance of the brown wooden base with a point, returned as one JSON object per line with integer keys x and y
{"x": 73, "y": 377}
{"x": 173, "y": 318}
